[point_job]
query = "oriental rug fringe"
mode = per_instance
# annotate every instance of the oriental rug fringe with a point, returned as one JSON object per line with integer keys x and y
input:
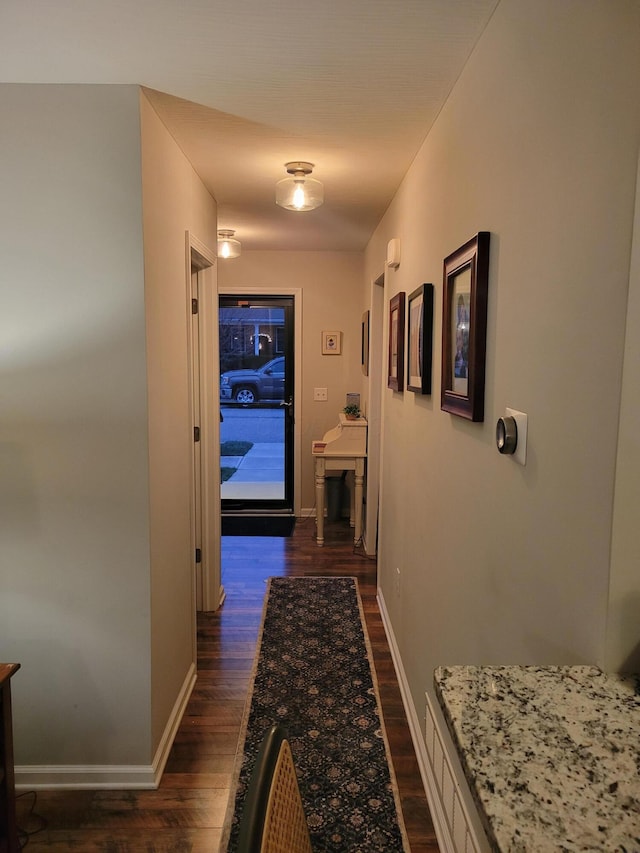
{"x": 314, "y": 675}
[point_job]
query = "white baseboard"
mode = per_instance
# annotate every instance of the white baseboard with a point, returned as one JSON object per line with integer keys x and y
{"x": 97, "y": 776}
{"x": 77, "y": 776}
{"x": 445, "y": 841}
{"x": 173, "y": 723}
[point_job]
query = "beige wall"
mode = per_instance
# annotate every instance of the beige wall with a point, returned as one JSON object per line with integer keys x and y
{"x": 331, "y": 300}
{"x": 96, "y": 592}
{"x": 74, "y": 544}
{"x": 174, "y": 201}
{"x": 538, "y": 144}
{"x": 623, "y": 636}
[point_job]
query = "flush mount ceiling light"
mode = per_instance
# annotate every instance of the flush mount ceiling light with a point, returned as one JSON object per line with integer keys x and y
{"x": 227, "y": 246}
{"x": 299, "y": 192}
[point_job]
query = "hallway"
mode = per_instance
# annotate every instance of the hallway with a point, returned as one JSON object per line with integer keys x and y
{"x": 186, "y": 813}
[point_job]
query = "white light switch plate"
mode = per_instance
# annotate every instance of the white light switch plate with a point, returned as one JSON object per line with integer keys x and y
{"x": 520, "y": 456}
{"x": 320, "y": 394}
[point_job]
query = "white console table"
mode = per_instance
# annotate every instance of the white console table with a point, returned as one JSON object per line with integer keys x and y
{"x": 343, "y": 448}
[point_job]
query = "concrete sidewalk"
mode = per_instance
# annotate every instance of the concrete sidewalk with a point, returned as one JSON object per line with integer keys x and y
{"x": 259, "y": 474}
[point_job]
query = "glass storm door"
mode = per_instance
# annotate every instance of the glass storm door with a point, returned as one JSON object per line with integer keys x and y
{"x": 256, "y": 403}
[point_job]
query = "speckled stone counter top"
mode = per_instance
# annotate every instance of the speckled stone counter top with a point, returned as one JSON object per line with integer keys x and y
{"x": 551, "y": 754}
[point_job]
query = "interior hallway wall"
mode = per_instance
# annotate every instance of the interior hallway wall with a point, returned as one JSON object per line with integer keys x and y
{"x": 174, "y": 201}
{"x": 623, "y": 634}
{"x": 96, "y": 592}
{"x": 537, "y": 144}
{"x": 74, "y": 546}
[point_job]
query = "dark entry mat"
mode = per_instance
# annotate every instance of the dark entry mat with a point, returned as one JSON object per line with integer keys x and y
{"x": 258, "y": 525}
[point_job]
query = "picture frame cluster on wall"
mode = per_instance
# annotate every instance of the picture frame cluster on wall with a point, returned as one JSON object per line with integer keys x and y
{"x": 417, "y": 314}
{"x": 464, "y": 333}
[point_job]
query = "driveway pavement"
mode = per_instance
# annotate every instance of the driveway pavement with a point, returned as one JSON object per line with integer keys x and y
{"x": 240, "y": 423}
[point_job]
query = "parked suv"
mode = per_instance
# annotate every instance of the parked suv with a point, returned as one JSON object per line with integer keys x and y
{"x": 253, "y": 385}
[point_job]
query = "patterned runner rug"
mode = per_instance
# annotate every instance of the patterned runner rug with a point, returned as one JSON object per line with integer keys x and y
{"x": 314, "y": 675}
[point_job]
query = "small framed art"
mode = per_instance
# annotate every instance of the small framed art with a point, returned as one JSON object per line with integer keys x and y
{"x": 331, "y": 343}
{"x": 464, "y": 328}
{"x": 420, "y": 339}
{"x": 395, "y": 376}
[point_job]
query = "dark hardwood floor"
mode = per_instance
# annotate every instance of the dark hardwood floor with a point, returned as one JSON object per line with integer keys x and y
{"x": 186, "y": 813}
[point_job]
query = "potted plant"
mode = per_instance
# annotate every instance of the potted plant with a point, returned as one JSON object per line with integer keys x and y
{"x": 352, "y": 411}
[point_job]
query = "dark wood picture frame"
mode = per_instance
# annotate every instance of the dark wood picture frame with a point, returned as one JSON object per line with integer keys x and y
{"x": 364, "y": 360}
{"x": 420, "y": 339}
{"x": 464, "y": 328}
{"x": 395, "y": 373}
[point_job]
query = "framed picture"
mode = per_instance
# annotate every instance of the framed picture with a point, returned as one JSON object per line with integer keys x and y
{"x": 365, "y": 343}
{"x": 331, "y": 343}
{"x": 420, "y": 339}
{"x": 395, "y": 378}
{"x": 464, "y": 328}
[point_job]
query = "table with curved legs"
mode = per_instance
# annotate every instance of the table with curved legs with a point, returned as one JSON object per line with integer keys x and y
{"x": 343, "y": 448}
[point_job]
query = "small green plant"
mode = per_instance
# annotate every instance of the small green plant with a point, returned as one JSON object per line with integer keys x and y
{"x": 352, "y": 410}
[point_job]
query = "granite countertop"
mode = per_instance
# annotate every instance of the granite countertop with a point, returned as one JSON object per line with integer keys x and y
{"x": 551, "y": 754}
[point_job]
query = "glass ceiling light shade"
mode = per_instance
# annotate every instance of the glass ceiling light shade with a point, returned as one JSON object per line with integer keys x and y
{"x": 299, "y": 192}
{"x": 227, "y": 246}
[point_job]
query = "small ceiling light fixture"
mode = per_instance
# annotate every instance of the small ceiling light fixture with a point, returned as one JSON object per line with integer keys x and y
{"x": 299, "y": 192}
{"x": 228, "y": 247}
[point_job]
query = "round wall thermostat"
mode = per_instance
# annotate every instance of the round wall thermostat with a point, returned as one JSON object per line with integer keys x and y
{"x": 506, "y": 435}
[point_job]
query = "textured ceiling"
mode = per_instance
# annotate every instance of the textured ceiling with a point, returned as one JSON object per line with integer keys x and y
{"x": 352, "y": 86}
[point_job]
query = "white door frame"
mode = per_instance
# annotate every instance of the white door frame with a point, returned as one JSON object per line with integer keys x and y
{"x": 374, "y": 412}
{"x": 198, "y": 256}
{"x": 296, "y": 292}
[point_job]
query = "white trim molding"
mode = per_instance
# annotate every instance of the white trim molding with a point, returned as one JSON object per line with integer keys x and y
{"x": 199, "y": 256}
{"x": 110, "y": 776}
{"x": 455, "y": 818}
{"x": 456, "y": 829}
{"x": 173, "y": 723}
{"x": 445, "y": 842}
{"x": 78, "y": 777}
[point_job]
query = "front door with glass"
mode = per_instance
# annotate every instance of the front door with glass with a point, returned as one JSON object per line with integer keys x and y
{"x": 256, "y": 402}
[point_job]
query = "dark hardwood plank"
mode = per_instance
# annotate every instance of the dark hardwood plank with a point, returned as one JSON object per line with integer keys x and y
{"x": 186, "y": 813}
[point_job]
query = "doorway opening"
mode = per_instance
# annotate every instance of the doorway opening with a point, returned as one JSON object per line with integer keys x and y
{"x": 257, "y": 405}
{"x": 203, "y": 358}
{"x": 374, "y": 415}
